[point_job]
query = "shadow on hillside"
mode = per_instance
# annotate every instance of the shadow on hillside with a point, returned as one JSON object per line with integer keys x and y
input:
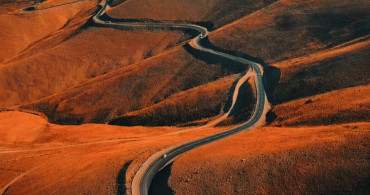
{"x": 243, "y": 107}
{"x": 29, "y": 9}
{"x": 121, "y": 179}
{"x": 110, "y": 24}
{"x": 159, "y": 183}
{"x": 114, "y": 3}
{"x": 106, "y": 17}
{"x": 271, "y": 77}
{"x": 271, "y": 74}
{"x": 234, "y": 67}
{"x": 207, "y": 24}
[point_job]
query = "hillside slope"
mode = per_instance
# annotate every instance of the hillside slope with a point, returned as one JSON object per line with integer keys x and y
{"x": 84, "y": 159}
{"x": 132, "y": 88}
{"x": 293, "y": 28}
{"x": 210, "y": 13}
{"x": 340, "y": 106}
{"x": 271, "y": 160}
{"x": 336, "y": 68}
{"x": 194, "y": 104}
{"x": 57, "y": 64}
{"x": 77, "y": 60}
{"x": 20, "y": 29}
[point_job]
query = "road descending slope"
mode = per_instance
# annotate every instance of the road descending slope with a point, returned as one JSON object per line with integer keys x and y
{"x": 147, "y": 171}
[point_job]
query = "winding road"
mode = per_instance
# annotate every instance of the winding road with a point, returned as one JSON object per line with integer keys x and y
{"x": 155, "y": 163}
{"x": 145, "y": 174}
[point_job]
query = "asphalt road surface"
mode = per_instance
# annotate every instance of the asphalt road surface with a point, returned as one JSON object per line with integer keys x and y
{"x": 155, "y": 163}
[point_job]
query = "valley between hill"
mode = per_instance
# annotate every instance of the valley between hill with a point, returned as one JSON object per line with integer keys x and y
{"x": 63, "y": 78}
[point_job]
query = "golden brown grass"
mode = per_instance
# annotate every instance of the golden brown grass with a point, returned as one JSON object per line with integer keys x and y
{"x": 20, "y": 129}
{"x": 9, "y": 6}
{"x": 341, "y": 106}
{"x": 194, "y": 104}
{"x": 290, "y": 29}
{"x": 53, "y": 3}
{"x": 337, "y": 68}
{"x": 90, "y": 168}
{"x": 213, "y": 14}
{"x": 21, "y": 29}
{"x": 13, "y": 132}
{"x": 92, "y": 52}
{"x": 271, "y": 160}
{"x": 86, "y": 75}
{"x": 130, "y": 88}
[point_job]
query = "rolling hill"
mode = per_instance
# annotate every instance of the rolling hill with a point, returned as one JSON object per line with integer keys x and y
{"x": 83, "y": 106}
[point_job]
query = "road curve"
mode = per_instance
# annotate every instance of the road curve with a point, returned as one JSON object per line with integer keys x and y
{"x": 142, "y": 179}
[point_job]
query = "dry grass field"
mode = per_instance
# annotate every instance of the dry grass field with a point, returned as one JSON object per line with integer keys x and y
{"x": 83, "y": 106}
{"x": 272, "y": 160}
